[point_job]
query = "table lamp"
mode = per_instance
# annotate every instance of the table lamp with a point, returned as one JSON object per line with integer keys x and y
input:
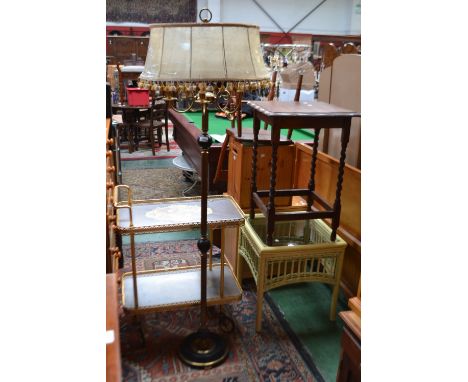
{"x": 204, "y": 63}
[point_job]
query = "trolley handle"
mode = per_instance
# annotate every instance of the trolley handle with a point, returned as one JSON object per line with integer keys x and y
{"x": 116, "y": 193}
{"x": 118, "y": 205}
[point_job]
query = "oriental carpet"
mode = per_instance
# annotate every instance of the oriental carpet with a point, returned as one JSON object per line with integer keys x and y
{"x": 266, "y": 356}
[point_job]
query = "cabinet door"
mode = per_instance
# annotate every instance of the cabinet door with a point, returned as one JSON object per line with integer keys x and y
{"x": 240, "y": 171}
{"x": 110, "y": 48}
{"x": 125, "y": 48}
{"x": 235, "y": 172}
{"x": 142, "y": 47}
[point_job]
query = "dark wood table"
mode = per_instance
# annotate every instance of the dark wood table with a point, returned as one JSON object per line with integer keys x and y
{"x": 296, "y": 115}
{"x": 131, "y": 116}
{"x": 113, "y": 362}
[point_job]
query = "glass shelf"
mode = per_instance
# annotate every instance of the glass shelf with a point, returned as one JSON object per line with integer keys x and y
{"x": 177, "y": 214}
{"x": 292, "y": 233}
{"x": 179, "y": 288}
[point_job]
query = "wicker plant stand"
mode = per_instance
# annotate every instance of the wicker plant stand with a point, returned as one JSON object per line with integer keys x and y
{"x": 301, "y": 252}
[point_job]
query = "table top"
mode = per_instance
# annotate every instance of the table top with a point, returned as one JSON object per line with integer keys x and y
{"x": 219, "y": 126}
{"x": 172, "y": 214}
{"x": 301, "y": 109}
{"x": 352, "y": 321}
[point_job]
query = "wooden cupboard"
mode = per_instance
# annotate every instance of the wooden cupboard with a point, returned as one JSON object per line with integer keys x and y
{"x": 240, "y": 168}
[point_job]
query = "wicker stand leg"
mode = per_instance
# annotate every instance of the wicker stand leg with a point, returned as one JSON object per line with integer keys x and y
{"x": 334, "y": 299}
{"x": 336, "y": 287}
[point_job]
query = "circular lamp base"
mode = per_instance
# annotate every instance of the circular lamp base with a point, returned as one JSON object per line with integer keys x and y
{"x": 203, "y": 349}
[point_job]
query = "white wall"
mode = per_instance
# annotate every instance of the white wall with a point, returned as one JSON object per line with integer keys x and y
{"x": 332, "y": 17}
{"x": 356, "y": 18}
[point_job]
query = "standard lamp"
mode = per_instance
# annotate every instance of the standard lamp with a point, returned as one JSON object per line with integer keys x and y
{"x": 203, "y": 63}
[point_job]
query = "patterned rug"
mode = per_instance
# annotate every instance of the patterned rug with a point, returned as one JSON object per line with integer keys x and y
{"x": 155, "y": 183}
{"x": 266, "y": 356}
{"x": 154, "y": 177}
{"x": 164, "y": 254}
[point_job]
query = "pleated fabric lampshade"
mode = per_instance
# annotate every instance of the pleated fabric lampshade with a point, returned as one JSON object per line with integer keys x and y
{"x": 204, "y": 52}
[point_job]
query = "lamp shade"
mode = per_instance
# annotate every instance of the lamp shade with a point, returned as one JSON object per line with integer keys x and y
{"x": 204, "y": 52}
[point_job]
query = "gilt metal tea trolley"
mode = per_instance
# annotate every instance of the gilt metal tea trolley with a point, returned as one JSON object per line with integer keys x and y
{"x": 175, "y": 288}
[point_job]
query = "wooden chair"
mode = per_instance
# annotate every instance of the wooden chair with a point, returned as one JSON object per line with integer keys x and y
{"x": 154, "y": 120}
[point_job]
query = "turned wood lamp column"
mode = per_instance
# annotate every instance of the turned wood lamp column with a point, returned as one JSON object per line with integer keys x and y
{"x": 204, "y": 348}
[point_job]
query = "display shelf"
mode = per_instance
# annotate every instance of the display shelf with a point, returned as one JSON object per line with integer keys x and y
{"x": 178, "y": 288}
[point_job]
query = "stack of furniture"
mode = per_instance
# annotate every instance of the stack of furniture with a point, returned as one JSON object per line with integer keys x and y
{"x": 293, "y": 115}
{"x": 284, "y": 247}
